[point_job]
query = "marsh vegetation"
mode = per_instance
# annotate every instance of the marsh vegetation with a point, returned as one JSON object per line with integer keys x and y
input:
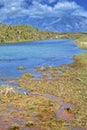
{"x": 56, "y": 103}
{"x": 36, "y": 110}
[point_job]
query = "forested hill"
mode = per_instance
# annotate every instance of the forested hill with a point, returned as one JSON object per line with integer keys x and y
{"x": 19, "y": 33}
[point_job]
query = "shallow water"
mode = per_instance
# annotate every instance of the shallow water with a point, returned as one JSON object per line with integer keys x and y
{"x": 31, "y": 54}
{"x": 53, "y": 98}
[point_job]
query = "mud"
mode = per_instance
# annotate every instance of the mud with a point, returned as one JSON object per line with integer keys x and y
{"x": 64, "y": 112}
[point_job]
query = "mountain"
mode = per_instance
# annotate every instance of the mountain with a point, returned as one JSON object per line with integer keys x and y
{"x": 55, "y": 24}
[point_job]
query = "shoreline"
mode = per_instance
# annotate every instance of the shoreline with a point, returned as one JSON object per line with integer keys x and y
{"x": 71, "y": 86}
{"x": 78, "y": 44}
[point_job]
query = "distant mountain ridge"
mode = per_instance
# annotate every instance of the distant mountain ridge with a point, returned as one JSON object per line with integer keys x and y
{"x": 55, "y": 24}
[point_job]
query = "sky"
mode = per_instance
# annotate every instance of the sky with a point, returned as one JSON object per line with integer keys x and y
{"x": 41, "y": 8}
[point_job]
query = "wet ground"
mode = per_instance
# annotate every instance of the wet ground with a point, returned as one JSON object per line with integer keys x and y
{"x": 64, "y": 113}
{"x": 76, "y": 128}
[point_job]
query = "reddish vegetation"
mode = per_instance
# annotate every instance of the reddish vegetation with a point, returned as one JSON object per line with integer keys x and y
{"x": 64, "y": 115}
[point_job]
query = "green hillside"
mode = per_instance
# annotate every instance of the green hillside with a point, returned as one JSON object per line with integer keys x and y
{"x": 21, "y": 33}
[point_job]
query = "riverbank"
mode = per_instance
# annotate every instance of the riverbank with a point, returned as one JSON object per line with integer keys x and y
{"x": 57, "y": 101}
{"x": 71, "y": 86}
{"x": 38, "y": 110}
{"x": 25, "y": 33}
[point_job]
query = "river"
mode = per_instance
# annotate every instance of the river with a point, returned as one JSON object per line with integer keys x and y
{"x": 32, "y": 54}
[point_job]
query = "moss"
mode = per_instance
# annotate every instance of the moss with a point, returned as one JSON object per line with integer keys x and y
{"x": 21, "y": 68}
{"x": 14, "y": 127}
{"x": 29, "y": 123}
{"x": 28, "y": 74}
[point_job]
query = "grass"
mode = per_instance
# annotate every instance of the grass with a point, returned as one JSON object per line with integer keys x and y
{"x": 38, "y": 111}
{"x": 82, "y": 41}
{"x": 25, "y": 33}
{"x": 7, "y": 91}
{"x": 29, "y": 123}
{"x": 42, "y": 113}
{"x": 21, "y": 68}
{"x": 71, "y": 86}
{"x": 14, "y": 127}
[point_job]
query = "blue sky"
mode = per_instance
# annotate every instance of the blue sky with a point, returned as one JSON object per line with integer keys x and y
{"x": 41, "y": 8}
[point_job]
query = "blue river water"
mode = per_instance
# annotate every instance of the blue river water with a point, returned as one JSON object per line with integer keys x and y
{"x": 31, "y": 54}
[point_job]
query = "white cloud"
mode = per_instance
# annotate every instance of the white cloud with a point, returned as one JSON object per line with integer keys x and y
{"x": 14, "y": 8}
{"x": 66, "y": 5}
{"x": 71, "y": 8}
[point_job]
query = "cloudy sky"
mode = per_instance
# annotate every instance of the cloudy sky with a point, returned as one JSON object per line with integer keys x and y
{"x": 41, "y": 8}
